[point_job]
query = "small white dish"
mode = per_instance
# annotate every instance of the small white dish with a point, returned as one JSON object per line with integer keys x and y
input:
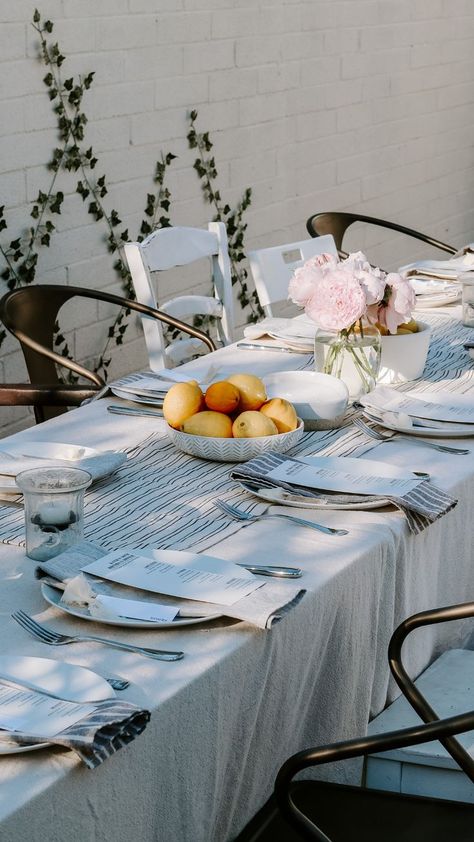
{"x": 456, "y": 431}
{"x": 53, "y": 596}
{"x": 157, "y": 400}
{"x": 404, "y": 357}
{"x": 428, "y": 302}
{"x": 68, "y": 681}
{"x": 21, "y": 455}
{"x": 319, "y": 399}
{"x": 280, "y": 497}
{"x": 234, "y": 450}
{"x": 48, "y": 450}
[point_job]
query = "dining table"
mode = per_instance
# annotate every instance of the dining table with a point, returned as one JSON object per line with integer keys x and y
{"x": 242, "y": 699}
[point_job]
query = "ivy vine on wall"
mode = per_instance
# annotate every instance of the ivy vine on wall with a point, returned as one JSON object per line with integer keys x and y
{"x": 72, "y": 157}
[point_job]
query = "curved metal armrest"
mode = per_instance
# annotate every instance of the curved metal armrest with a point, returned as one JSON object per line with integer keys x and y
{"x": 143, "y": 309}
{"x": 356, "y": 748}
{"x": 406, "y": 684}
{"x": 336, "y": 223}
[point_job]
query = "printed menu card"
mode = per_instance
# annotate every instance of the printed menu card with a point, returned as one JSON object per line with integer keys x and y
{"x": 340, "y": 473}
{"x": 167, "y": 574}
{"x": 34, "y": 713}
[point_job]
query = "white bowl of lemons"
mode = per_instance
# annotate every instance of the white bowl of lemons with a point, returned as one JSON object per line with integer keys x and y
{"x": 232, "y": 422}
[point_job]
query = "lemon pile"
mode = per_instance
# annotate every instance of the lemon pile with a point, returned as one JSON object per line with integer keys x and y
{"x": 402, "y": 330}
{"x": 232, "y": 408}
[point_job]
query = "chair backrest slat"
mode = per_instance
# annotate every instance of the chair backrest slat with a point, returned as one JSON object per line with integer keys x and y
{"x": 167, "y": 248}
{"x": 273, "y": 267}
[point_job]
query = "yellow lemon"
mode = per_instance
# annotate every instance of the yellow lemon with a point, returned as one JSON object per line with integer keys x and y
{"x": 408, "y": 327}
{"x": 282, "y": 413}
{"x": 252, "y": 391}
{"x": 208, "y": 423}
{"x": 252, "y": 424}
{"x": 182, "y": 401}
{"x": 222, "y": 397}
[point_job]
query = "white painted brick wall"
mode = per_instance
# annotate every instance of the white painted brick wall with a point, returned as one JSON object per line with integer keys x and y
{"x": 316, "y": 104}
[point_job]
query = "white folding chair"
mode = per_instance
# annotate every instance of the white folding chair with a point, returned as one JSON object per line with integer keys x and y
{"x": 273, "y": 267}
{"x": 166, "y": 248}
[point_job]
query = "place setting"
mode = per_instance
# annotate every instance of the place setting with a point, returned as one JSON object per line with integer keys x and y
{"x": 27, "y": 454}
{"x": 46, "y": 703}
{"x": 343, "y": 483}
{"x": 420, "y": 413}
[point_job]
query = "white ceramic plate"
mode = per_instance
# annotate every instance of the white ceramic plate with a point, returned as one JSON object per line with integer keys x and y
{"x": 295, "y": 343}
{"x": 280, "y": 497}
{"x": 128, "y": 396}
{"x": 53, "y": 596}
{"x": 68, "y": 681}
{"x": 445, "y": 433}
{"x": 427, "y": 302}
{"x": 48, "y": 450}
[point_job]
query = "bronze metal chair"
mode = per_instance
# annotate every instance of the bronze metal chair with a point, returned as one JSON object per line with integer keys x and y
{"x": 337, "y": 223}
{"x": 30, "y": 314}
{"x": 326, "y": 812}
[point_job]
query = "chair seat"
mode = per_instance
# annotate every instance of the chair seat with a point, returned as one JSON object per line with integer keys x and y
{"x": 352, "y": 814}
{"x": 427, "y": 769}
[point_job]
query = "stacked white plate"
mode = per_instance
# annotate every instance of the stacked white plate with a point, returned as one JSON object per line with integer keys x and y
{"x": 437, "y": 414}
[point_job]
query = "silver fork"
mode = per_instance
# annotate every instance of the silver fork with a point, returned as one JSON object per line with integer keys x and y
{"x": 238, "y": 514}
{"x": 389, "y": 435}
{"x": 118, "y": 683}
{"x": 53, "y": 638}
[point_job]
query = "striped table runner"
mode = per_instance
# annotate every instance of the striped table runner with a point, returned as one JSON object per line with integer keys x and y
{"x": 164, "y": 498}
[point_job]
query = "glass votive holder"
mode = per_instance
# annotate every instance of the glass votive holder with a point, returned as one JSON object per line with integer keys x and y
{"x": 467, "y": 281}
{"x": 54, "y": 509}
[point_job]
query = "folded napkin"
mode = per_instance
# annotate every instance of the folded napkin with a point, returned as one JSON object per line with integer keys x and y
{"x": 112, "y": 725}
{"x": 421, "y": 506}
{"x": 98, "y": 466}
{"x": 263, "y": 607}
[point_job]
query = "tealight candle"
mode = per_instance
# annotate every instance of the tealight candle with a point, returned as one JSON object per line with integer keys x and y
{"x": 54, "y": 504}
{"x": 54, "y": 512}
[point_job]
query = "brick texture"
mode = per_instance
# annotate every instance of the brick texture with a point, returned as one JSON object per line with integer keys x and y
{"x": 316, "y": 104}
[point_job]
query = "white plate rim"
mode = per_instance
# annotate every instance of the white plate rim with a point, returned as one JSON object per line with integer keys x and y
{"x": 18, "y": 749}
{"x": 270, "y": 495}
{"x": 49, "y": 592}
{"x": 19, "y": 448}
{"x": 442, "y": 301}
{"x": 299, "y": 344}
{"x": 138, "y": 398}
{"x": 429, "y": 432}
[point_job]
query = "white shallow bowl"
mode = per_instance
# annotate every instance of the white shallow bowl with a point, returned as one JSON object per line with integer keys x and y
{"x": 234, "y": 450}
{"x": 404, "y": 357}
{"x": 319, "y": 399}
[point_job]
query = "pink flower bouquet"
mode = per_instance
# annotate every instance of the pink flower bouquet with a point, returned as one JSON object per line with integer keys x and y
{"x": 351, "y": 302}
{"x": 337, "y": 294}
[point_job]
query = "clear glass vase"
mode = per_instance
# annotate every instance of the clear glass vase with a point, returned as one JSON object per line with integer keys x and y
{"x": 352, "y": 355}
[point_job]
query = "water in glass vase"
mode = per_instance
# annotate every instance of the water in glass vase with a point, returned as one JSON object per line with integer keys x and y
{"x": 352, "y": 355}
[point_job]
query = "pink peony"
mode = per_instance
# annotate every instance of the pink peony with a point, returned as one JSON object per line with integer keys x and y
{"x": 301, "y": 286}
{"x": 337, "y": 300}
{"x": 399, "y": 303}
{"x": 370, "y": 277}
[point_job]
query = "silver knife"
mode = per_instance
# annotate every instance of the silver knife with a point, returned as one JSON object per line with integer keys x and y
{"x": 270, "y": 570}
{"x": 251, "y": 346}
